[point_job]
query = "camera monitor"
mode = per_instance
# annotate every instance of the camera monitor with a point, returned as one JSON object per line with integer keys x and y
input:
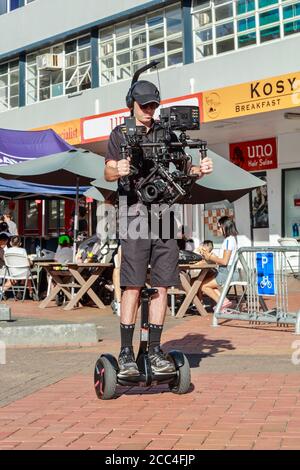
{"x": 182, "y": 118}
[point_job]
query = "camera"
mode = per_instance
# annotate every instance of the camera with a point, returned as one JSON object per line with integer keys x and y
{"x": 164, "y": 185}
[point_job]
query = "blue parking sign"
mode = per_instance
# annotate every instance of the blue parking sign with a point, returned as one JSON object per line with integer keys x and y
{"x": 265, "y": 273}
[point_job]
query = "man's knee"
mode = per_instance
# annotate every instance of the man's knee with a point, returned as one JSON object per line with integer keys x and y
{"x": 132, "y": 292}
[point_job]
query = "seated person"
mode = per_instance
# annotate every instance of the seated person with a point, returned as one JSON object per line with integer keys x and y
{"x": 4, "y": 227}
{"x": 207, "y": 245}
{"x": 15, "y": 248}
{"x": 3, "y": 246}
{"x": 64, "y": 252}
{"x": 212, "y": 284}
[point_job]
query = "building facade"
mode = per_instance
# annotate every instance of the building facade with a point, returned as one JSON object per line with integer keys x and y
{"x": 68, "y": 65}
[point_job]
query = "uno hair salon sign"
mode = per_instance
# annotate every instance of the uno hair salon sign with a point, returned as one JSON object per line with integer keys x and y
{"x": 255, "y": 155}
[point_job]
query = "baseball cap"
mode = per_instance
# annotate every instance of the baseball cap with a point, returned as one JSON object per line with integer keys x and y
{"x": 145, "y": 92}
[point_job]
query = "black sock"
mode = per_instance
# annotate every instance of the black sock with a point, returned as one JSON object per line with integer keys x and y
{"x": 155, "y": 332}
{"x": 126, "y": 335}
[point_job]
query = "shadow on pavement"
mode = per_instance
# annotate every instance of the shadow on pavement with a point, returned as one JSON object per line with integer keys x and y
{"x": 196, "y": 347}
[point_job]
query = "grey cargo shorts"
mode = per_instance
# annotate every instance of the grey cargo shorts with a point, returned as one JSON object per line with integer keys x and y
{"x": 161, "y": 255}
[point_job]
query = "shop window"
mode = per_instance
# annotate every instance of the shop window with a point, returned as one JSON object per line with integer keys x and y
{"x": 31, "y": 216}
{"x": 55, "y": 216}
{"x": 291, "y": 202}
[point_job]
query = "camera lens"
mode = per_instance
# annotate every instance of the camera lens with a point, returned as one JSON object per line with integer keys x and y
{"x": 150, "y": 193}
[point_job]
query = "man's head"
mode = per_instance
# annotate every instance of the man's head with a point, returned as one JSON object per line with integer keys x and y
{"x": 142, "y": 99}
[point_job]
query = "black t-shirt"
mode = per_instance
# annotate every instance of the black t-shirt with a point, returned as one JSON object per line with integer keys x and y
{"x": 143, "y": 165}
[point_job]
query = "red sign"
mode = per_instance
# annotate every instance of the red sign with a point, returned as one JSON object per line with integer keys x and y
{"x": 255, "y": 155}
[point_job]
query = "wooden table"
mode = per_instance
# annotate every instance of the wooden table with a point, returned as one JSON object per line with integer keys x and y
{"x": 191, "y": 288}
{"x": 73, "y": 276}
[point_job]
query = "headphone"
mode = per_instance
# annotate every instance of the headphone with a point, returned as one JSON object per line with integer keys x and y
{"x": 129, "y": 97}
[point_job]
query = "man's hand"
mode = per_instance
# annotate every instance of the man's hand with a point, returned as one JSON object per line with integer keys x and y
{"x": 205, "y": 168}
{"x": 123, "y": 167}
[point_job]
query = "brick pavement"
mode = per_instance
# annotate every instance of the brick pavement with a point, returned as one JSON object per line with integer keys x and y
{"x": 245, "y": 394}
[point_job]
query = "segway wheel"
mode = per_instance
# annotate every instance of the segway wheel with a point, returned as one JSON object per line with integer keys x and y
{"x": 182, "y": 382}
{"x": 105, "y": 379}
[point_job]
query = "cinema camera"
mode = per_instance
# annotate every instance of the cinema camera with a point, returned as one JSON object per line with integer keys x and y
{"x": 164, "y": 185}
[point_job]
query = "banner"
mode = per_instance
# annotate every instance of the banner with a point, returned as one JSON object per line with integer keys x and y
{"x": 255, "y": 155}
{"x": 70, "y": 131}
{"x": 98, "y": 128}
{"x": 259, "y": 96}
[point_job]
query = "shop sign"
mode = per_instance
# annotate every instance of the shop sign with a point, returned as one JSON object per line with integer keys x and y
{"x": 98, "y": 128}
{"x": 70, "y": 131}
{"x": 259, "y": 96}
{"x": 255, "y": 155}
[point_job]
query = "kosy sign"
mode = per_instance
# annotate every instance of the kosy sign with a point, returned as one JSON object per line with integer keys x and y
{"x": 265, "y": 273}
{"x": 255, "y": 155}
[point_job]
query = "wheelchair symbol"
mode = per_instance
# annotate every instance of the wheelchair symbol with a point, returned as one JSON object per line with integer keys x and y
{"x": 265, "y": 282}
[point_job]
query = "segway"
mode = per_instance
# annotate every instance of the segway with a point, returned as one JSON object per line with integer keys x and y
{"x": 106, "y": 376}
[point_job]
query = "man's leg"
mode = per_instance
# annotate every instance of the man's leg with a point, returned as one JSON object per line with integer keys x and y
{"x": 164, "y": 273}
{"x": 135, "y": 259}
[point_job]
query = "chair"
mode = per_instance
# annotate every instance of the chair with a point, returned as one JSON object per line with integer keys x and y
{"x": 17, "y": 268}
{"x": 292, "y": 258}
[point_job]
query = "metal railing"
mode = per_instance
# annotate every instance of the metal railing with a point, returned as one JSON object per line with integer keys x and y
{"x": 264, "y": 290}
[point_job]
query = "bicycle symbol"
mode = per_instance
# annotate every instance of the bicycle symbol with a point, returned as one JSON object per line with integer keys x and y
{"x": 265, "y": 282}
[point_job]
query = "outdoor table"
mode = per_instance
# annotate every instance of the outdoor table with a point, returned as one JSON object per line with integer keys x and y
{"x": 72, "y": 276}
{"x": 192, "y": 289}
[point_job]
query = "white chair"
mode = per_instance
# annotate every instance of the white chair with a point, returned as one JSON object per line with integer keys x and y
{"x": 292, "y": 257}
{"x": 18, "y": 269}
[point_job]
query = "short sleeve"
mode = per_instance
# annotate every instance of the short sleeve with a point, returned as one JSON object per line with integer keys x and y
{"x": 113, "y": 148}
{"x": 230, "y": 244}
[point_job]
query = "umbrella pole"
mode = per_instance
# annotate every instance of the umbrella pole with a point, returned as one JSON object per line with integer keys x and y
{"x": 76, "y": 220}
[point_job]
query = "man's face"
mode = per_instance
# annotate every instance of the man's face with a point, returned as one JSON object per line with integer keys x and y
{"x": 3, "y": 243}
{"x": 144, "y": 113}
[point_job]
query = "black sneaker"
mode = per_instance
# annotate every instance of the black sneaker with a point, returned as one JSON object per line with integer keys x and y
{"x": 159, "y": 364}
{"x": 127, "y": 364}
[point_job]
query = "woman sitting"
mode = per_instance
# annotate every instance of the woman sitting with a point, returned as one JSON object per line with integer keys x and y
{"x": 212, "y": 285}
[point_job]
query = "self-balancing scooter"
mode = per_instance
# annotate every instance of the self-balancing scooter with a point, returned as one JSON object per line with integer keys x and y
{"x": 106, "y": 376}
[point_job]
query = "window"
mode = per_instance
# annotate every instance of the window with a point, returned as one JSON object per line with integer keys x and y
{"x": 31, "y": 216}
{"x": 221, "y": 26}
{"x": 126, "y": 47}
{"x": 55, "y": 216}
{"x": 10, "y": 5}
{"x": 9, "y": 86}
{"x": 73, "y": 76}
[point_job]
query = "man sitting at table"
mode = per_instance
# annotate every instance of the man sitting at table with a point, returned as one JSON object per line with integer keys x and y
{"x": 64, "y": 252}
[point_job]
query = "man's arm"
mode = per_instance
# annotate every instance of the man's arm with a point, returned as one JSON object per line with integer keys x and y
{"x": 116, "y": 169}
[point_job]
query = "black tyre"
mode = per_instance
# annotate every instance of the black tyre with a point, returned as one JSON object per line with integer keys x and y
{"x": 182, "y": 382}
{"x": 105, "y": 379}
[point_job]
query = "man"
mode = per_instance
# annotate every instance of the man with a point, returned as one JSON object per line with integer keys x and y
{"x": 143, "y": 98}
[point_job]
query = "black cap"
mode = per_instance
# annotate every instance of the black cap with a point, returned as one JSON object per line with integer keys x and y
{"x": 145, "y": 92}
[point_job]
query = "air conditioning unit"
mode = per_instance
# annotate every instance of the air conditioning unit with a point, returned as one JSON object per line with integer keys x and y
{"x": 50, "y": 62}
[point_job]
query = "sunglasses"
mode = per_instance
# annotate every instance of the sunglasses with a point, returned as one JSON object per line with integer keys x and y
{"x": 148, "y": 105}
